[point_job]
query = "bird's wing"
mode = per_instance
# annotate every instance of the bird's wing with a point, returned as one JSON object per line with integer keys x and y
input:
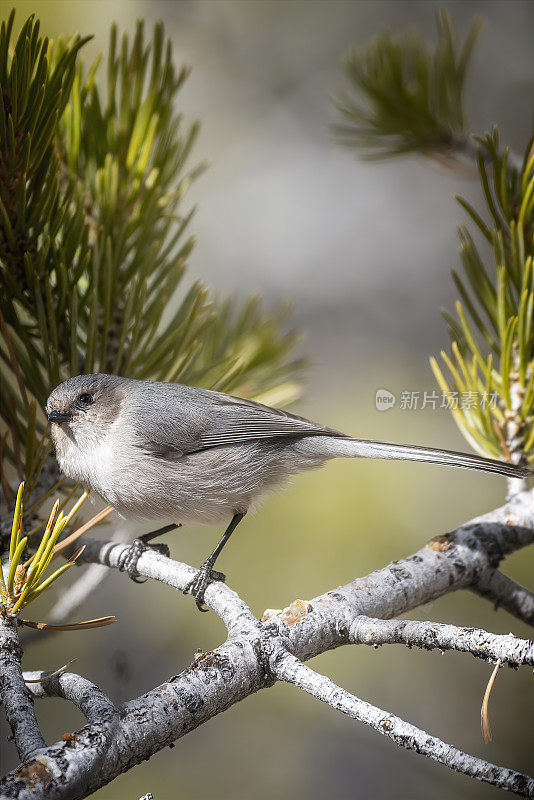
{"x": 199, "y": 419}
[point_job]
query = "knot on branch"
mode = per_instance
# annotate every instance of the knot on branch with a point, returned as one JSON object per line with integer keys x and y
{"x": 487, "y": 541}
{"x": 273, "y": 647}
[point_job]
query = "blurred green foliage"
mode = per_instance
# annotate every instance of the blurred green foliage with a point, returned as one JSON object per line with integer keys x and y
{"x": 408, "y": 95}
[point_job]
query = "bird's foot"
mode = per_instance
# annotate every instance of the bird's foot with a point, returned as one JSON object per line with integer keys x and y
{"x": 200, "y": 583}
{"x": 129, "y": 558}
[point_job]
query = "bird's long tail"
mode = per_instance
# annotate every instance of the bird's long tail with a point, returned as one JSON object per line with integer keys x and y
{"x": 331, "y": 447}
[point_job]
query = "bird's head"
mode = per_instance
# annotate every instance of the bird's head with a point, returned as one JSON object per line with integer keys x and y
{"x": 86, "y": 404}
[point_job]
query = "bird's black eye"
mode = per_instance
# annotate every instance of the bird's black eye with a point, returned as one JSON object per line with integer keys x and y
{"x": 86, "y": 399}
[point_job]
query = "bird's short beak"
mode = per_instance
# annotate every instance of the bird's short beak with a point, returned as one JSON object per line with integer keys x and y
{"x": 59, "y": 416}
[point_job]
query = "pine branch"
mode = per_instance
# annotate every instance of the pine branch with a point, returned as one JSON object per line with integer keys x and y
{"x": 493, "y": 333}
{"x": 290, "y": 669}
{"x": 505, "y": 593}
{"x": 434, "y": 635}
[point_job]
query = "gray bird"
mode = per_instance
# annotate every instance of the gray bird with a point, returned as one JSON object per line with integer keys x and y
{"x": 163, "y": 451}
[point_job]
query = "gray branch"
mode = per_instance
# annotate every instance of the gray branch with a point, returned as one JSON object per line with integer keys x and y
{"x": 18, "y": 703}
{"x": 54, "y": 773}
{"x": 505, "y": 648}
{"x": 256, "y": 654}
{"x": 447, "y": 563}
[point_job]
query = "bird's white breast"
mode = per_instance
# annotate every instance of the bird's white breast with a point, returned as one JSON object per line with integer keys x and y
{"x": 88, "y": 458}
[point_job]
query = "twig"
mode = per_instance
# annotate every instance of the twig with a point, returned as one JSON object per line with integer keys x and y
{"x": 434, "y": 635}
{"x": 43, "y": 676}
{"x": 66, "y": 777}
{"x": 288, "y": 668}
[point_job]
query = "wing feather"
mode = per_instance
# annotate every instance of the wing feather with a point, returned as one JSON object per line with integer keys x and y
{"x": 239, "y": 421}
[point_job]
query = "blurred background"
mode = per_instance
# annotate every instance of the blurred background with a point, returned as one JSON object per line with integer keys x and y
{"x": 363, "y": 252}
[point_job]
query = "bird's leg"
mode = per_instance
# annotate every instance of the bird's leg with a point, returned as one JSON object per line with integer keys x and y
{"x": 128, "y": 560}
{"x": 160, "y": 547}
{"x": 205, "y": 574}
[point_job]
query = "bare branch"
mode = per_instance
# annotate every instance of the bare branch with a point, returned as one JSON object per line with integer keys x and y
{"x": 66, "y": 777}
{"x": 434, "y": 635}
{"x": 15, "y": 696}
{"x": 288, "y": 668}
{"x": 506, "y": 593}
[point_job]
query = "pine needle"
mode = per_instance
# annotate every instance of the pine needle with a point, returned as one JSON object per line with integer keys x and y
{"x": 98, "y": 622}
{"x": 484, "y": 719}
{"x": 48, "y": 675}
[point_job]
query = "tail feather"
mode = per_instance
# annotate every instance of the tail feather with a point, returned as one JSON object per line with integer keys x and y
{"x": 370, "y": 448}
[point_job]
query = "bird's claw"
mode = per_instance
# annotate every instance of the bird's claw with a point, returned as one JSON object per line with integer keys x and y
{"x": 198, "y": 585}
{"x": 129, "y": 558}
